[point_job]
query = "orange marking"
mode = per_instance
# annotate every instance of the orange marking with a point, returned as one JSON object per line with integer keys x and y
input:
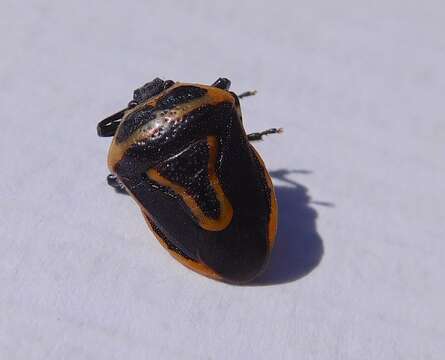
{"x": 213, "y": 96}
{"x": 226, "y": 210}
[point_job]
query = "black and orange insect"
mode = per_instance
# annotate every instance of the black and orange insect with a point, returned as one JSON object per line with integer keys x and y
{"x": 180, "y": 150}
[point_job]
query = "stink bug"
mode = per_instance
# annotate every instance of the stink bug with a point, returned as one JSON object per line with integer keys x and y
{"x": 180, "y": 150}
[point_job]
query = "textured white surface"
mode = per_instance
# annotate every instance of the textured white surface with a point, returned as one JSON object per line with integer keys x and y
{"x": 358, "y": 272}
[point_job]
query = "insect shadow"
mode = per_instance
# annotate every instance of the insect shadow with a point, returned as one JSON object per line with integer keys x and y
{"x": 298, "y": 248}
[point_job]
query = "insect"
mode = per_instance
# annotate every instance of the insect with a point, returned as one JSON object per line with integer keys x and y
{"x": 180, "y": 150}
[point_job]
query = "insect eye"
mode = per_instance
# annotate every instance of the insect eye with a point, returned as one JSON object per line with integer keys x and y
{"x": 168, "y": 83}
{"x": 132, "y": 104}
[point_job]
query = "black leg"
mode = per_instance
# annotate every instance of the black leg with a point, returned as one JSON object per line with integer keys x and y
{"x": 114, "y": 182}
{"x": 247, "y": 93}
{"x": 108, "y": 126}
{"x": 222, "y": 83}
{"x": 259, "y": 135}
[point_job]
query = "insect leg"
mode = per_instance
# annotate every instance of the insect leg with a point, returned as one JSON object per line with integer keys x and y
{"x": 108, "y": 126}
{"x": 247, "y": 93}
{"x": 114, "y": 182}
{"x": 259, "y": 135}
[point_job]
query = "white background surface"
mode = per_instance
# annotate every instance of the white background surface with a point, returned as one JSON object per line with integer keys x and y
{"x": 358, "y": 269}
